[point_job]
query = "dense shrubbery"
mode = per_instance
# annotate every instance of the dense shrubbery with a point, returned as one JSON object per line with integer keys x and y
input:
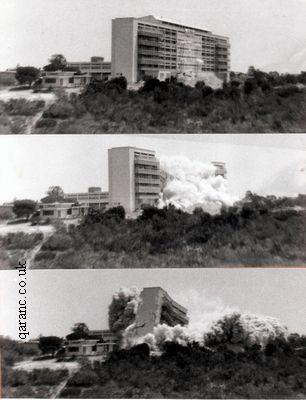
{"x": 253, "y": 105}
{"x": 195, "y": 372}
{"x": 23, "y": 107}
{"x": 20, "y": 240}
{"x": 42, "y": 376}
{"x": 13, "y": 351}
{"x": 257, "y": 231}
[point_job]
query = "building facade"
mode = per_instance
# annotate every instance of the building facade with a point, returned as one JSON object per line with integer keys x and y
{"x": 93, "y": 198}
{"x": 148, "y": 46}
{"x": 64, "y": 79}
{"x": 61, "y": 210}
{"x": 99, "y": 344}
{"x": 134, "y": 178}
{"x": 157, "y": 307}
{"x": 96, "y": 67}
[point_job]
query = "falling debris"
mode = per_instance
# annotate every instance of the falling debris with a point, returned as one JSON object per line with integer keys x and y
{"x": 190, "y": 184}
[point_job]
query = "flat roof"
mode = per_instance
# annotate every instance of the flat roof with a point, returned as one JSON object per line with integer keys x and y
{"x": 132, "y": 148}
{"x": 151, "y": 19}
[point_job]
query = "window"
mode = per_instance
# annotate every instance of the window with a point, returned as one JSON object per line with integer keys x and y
{"x": 50, "y": 80}
{"x": 73, "y": 349}
{"x": 71, "y": 80}
{"x": 48, "y": 212}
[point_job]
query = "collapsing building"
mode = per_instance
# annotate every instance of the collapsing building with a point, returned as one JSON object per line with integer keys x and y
{"x": 156, "y": 307}
{"x": 136, "y": 178}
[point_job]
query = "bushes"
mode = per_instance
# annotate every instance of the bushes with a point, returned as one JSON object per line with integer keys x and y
{"x": 21, "y": 240}
{"x": 46, "y": 376}
{"x": 23, "y": 107}
{"x": 84, "y": 377}
{"x": 171, "y": 106}
{"x": 46, "y": 123}
{"x": 37, "y": 377}
{"x": 58, "y": 242}
{"x": 192, "y": 372}
{"x": 256, "y": 231}
{"x": 288, "y": 91}
{"x": 61, "y": 110}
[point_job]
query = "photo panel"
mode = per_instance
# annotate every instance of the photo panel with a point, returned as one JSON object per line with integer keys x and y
{"x": 168, "y": 66}
{"x": 154, "y": 333}
{"x": 153, "y": 201}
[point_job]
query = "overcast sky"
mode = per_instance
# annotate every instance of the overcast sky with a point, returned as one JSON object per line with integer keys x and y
{"x": 265, "y": 164}
{"x": 57, "y": 298}
{"x": 270, "y": 34}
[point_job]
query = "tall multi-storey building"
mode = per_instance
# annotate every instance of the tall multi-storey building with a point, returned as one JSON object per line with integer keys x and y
{"x": 156, "y": 307}
{"x": 134, "y": 177}
{"x": 148, "y": 46}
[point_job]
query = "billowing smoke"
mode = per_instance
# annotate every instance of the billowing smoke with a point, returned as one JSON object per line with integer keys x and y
{"x": 122, "y": 310}
{"x": 191, "y": 184}
{"x": 211, "y": 324}
{"x": 244, "y": 330}
{"x": 235, "y": 330}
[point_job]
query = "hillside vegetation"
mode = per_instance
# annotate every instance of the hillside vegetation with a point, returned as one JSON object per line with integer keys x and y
{"x": 276, "y": 371}
{"x": 16, "y": 246}
{"x": 261, "y": 103}
{"x": 259, "y": 231}
{"x": 38, "y": 383}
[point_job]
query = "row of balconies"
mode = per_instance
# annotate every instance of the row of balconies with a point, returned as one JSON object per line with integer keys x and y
{"x": 149, "y": 33}
{"x": 151, "y": 43}
{"x": 148, "y": 181}
{"x": 147, "y": 170}
{"x": 141, "y": 162}
{"x": 147, "y": 190}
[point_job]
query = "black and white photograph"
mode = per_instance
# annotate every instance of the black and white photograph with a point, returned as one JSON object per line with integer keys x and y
{"x": 136, "y": 201}
{"x": 214, "y": 333}
{"x": 163, "y": 66}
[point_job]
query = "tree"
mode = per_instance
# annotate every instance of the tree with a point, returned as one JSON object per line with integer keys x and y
{"x": 24, "y": 208}
{"x": 79, "y": 331}
{"x": 26, "y": 75}
{"x": 55, "y": 191}
{"x": 57, "y": 62}
{"x": 50, "y": 344}
{"x": 115, "y": 213}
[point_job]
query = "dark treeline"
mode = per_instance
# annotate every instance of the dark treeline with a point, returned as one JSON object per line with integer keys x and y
{"x": 257, "y": 102}
{"x": 256, "y": 231}
{"x": 276, "y": 371}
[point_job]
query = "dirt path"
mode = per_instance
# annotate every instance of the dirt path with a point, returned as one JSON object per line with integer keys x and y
{"x": 29, "y": 365}
{"x": 31, "y": 122}
{"x": 57, "y": 390}
{"x": 31, "y": 253}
